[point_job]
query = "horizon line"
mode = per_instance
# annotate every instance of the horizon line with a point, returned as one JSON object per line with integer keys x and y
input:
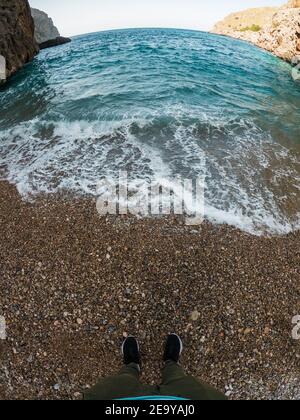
{"x": 143, "y": 28}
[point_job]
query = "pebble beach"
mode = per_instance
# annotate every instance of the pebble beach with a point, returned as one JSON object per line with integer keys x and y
{"x": 74, "y": 284}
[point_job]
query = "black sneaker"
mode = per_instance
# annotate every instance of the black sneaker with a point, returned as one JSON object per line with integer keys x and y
{"x": 173, "y": 348}
{"x": 131, "y": 351}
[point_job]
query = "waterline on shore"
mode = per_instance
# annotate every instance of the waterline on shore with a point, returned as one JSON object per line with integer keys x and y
{"x": 73, "y": 157}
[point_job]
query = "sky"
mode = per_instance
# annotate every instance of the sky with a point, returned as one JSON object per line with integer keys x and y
{"x": 74, "y": 17}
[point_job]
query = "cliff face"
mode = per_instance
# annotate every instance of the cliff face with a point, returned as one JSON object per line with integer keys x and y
{"x": 240, "y": 21}
{"x": 276, "y": 30}
{"x": 44, "y": 26}
{"x": 46, "y": 33}
{"x": 282, "y": 37}
{"x": 17, "y": 43}
{"x": 294, "y": 3}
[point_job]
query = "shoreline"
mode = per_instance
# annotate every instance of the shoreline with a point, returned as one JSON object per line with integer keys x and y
{"x": 248, "y": 41}
{"x": 255, "y": 44}
{"x": 73, "y": 284}
{"x": 66, "y": 197}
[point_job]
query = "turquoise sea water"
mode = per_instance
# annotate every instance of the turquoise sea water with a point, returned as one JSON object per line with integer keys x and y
{"x": 159, "y": 103}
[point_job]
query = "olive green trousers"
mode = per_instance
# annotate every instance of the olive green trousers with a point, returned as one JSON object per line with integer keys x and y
{"x": 174, "y": 383}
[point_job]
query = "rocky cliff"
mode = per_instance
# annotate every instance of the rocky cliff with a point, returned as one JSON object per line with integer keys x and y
{"x": 44, "y": 26}
{"x": 255, "y": 18}
{"x": 17, "y": 43}
{"x": 276, "y": 30}
{"x": 46, "y": 33}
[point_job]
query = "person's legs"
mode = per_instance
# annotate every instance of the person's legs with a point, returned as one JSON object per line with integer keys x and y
{"x": 124, "y": 385}
{"x": 176, "y": 383}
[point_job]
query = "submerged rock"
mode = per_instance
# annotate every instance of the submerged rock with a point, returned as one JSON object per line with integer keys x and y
{"x": 295, "y": 61}
{"x": 17, "y": 43}
{"x": 296, "y": 73}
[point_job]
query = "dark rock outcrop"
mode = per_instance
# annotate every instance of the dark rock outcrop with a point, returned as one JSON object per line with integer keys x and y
{"x": 46, "y": 33}
{"x": 54, "y": 42}
{"x": 17, "y": 43}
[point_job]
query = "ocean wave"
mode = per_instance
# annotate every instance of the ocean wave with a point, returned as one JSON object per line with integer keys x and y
{"x": 54, "y": 156}
{"x": 159, "y": 104}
